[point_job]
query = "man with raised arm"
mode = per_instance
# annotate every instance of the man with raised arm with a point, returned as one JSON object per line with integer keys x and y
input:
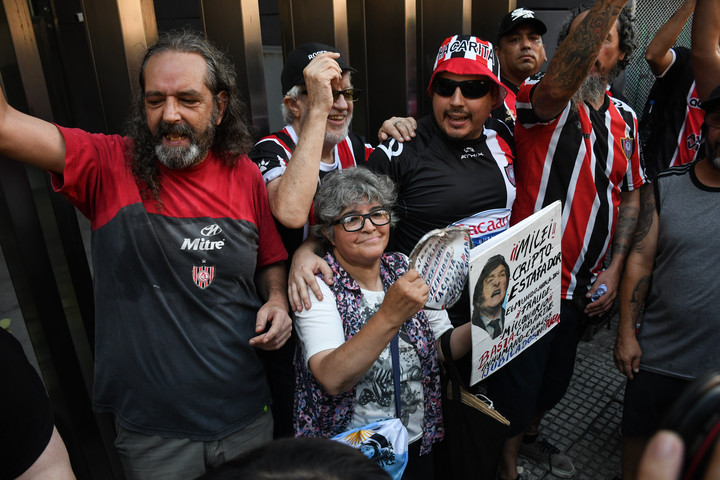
{"x": 578, "y": 145}
{"x": 183, "y": 247}
{"x": 670, "y": 125}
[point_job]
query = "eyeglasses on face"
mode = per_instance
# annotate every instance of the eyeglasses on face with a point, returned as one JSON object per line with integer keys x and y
{"x": 355, "y": 221}
{"x": 349, "y": 94}
{"x": 469, "y": 88}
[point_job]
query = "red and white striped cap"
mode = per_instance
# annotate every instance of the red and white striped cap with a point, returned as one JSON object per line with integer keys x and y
{"x": 467, "y": 55}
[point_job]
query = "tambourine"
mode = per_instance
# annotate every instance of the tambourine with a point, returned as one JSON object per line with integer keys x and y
{"x": 442, "y": 259}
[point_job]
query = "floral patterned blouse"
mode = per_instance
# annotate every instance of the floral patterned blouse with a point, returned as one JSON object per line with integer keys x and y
{"x": 319, "y": 414}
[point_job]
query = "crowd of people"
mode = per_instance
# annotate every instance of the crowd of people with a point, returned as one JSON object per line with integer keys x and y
{"x": 245, "y": 293}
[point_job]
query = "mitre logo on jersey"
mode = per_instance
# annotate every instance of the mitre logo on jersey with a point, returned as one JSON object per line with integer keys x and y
{"x": 205, "y": 242}
{"x": 203, "y": 275}
{"x": 627, "y": 146}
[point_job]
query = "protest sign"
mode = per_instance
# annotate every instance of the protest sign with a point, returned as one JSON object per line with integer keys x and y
{"x": 514, "y": 290}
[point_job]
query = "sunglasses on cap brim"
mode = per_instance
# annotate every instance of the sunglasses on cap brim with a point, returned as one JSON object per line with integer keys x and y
{"x": 469, "y": 88}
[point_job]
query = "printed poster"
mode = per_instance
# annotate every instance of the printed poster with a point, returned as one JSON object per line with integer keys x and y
{"x": 514, "y": 290}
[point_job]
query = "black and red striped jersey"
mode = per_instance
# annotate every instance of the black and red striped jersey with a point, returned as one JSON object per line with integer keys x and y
{"x": 671, "y": 123}
{"x": 584, "y": 158}
{"x": 272, "y": 153}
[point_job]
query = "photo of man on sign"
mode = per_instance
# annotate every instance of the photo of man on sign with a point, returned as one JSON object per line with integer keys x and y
{"x": 489, "y": 296}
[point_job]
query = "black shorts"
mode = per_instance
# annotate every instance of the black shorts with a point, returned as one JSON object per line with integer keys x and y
{"x": 648, "y": 396}
{"x": 539, "y": 377}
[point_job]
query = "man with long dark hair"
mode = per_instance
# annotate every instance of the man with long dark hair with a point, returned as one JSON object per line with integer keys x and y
{"x": 184, "y": 246}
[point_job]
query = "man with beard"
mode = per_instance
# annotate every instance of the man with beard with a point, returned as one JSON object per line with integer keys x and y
{"x": 489, "y": 296}
{"x": 679, "y": 326}
{"x": 678, "y": 335}
{"x": 317, "y": 108}
{"x": 184, "y": 246}
{"x": 521, "y": 53}
{"x": 577, "y": 145}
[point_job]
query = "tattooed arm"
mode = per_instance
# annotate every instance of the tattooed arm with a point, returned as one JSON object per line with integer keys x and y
{"x": 622, "y": 239}
{"x": 636, "y": 283}
{"x": 575, "y": 57}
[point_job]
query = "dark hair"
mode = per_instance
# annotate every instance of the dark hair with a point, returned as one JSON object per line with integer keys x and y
{"x": 627, "y": 41}
{"x": 345, "y": 188}
{"x": 303, "y": 458}
{"x": 492, "y": 263}
{"x": 232, "y": 136}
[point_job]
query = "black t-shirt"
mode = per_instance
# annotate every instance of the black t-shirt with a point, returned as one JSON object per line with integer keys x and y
{"x": 443, "y": 182}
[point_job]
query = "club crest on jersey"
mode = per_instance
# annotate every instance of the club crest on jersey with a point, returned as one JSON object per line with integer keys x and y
{"x": 510, "y": 173}
{"x": 627, "y": 146}
{"x": 203, "y": 275}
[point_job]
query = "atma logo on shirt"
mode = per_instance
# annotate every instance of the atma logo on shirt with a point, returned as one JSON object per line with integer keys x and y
{"x": 204, "y": 243}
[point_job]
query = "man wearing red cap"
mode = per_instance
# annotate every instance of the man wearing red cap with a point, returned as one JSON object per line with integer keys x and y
{"x": 458, "y": 170}
{"x": 577, "y": 145}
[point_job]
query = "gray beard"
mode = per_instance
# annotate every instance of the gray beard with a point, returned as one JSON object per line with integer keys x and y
{"x": 592, "y": 90}
{"x": 178, "y": 158}
{"x": 337, "y": 138}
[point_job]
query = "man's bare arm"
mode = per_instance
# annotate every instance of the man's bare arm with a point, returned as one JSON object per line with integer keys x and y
{"x": 291, "y": 194}
{"x": 705, "y": 53}
{"x": 636, "y": 283}
{"x": 30, "y": 140}
{"x": 574, "y": 59}
{"x": 658, "y": 54}
{"x": 271, "y": 284}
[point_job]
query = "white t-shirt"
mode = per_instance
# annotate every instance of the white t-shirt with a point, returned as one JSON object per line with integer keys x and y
{"x": 320, "y": 328}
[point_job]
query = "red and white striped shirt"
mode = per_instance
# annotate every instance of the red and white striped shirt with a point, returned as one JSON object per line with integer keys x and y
{"x": 584, "y": 158}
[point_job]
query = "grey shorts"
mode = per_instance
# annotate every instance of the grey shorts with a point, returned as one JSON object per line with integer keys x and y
{"x": 153, "y": 457}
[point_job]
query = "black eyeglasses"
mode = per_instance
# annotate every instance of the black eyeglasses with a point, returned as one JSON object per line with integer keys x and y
{"x": 349, "y": 94}
{"x": 355, "y": 221}
{"x": 469, "y": 88}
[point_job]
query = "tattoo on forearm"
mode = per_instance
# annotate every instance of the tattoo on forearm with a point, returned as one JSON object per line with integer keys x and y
{"x": 638, "y": 297}
{"x": 627, "y": 219}
{"x": 571, "y": 64}
{"x": 645, "y": 217}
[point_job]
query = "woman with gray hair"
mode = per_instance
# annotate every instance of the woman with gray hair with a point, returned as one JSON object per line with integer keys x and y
{"x": 344, "y": 367}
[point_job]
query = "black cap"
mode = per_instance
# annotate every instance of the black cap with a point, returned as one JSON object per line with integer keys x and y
{"x": 518, "y": 16}
{"x": 713, "y": 102}
{"x": 299, "y": 58}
